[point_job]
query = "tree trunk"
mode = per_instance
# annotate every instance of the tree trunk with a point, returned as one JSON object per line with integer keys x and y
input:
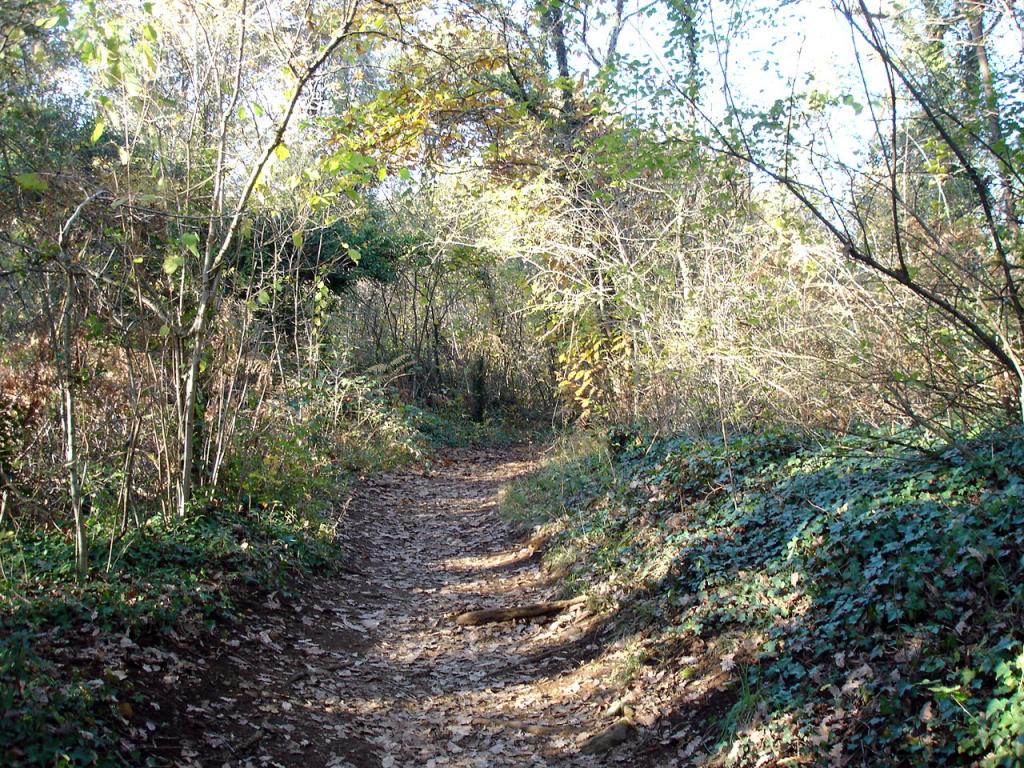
{"x": 478, "y": 389}
{"x": 63, "y": 356}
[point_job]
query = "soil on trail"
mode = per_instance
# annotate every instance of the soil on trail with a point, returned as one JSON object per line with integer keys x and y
{"x": 370, "y": 669}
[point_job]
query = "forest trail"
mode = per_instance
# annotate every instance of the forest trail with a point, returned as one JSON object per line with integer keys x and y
{"x": 371, "y": 669}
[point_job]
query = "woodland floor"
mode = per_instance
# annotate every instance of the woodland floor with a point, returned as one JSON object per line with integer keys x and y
{"x": 369, "y": 668}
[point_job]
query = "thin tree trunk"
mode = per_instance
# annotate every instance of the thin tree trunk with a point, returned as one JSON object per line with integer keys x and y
{"x": 67, "y": 398}
{"x": 990, "y": 105}
{"x": 62, "y": 348}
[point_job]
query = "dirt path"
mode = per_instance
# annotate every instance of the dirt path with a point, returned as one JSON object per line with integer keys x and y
{"x": 370, "y": 669}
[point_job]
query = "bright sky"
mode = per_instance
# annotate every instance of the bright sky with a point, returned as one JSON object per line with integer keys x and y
{"x": 803, "y": 46}
{"x": 766, "y": 61}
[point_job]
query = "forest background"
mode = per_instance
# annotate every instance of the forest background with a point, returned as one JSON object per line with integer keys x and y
{"x": 246, "y": 246}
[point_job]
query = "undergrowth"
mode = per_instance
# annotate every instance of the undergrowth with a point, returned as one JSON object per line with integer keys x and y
{"x": 450, "y": 428}
{"x": 867, "y": 596}
{"x": 575, "y": 471}
{"x": 60, "y": 700}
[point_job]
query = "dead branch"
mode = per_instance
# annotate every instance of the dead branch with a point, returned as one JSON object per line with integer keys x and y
{"x": 535, "y": 610}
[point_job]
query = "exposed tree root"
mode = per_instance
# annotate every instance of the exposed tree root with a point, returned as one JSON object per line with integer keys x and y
{"x": 535, "y": 610}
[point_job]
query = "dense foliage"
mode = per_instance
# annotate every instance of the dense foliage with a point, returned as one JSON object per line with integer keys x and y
{"x": 864, "y": 596}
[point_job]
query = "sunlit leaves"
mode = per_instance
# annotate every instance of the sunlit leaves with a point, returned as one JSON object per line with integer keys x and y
{"x": 172, "y": 262}
{"x": 191, "y": 242}
{"x": 97, "y": 131}
{"x": 348, "y": 162}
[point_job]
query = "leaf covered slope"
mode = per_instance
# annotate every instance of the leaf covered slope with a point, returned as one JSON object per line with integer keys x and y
{"x": 856, "y": 602}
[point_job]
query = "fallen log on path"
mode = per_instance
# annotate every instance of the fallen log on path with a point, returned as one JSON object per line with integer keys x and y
{"x": 535, "y": 610}
{"x": 537, "y": 729}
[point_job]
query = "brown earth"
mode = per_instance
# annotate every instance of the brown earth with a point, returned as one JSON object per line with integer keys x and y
{"x": 369, "y": 668}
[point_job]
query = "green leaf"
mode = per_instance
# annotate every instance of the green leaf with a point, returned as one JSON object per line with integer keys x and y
{"x": 281, "y": 152}
{"x": 97, "y": 131}
{"x": 172, "y": 262}
{"x": 382, "y": 173}
{"x": 191, "y": 242}
{"x": 297, "y": 239}
{"x": 148, "y": 32}
{"x": 405, "y": 175}
{"x": 849, "y": 101}
{"x": 165, "y": 331}
{"x": 147, "y": 51}
{"x": 359, "y": 161}
{"x": 354, "y": 255}
{"x": 263, "y": 298}
{"x": 31, "y": 182}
